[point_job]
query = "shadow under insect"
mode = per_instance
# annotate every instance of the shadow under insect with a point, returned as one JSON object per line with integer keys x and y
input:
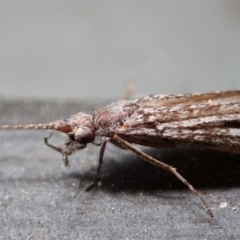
{"x": 203, "y": 168}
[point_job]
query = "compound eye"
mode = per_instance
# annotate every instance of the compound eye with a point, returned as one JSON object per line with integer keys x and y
{"x": 84, "y": 135}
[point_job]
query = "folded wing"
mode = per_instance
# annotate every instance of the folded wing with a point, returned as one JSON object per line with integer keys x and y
{"x": 210, "y": 119}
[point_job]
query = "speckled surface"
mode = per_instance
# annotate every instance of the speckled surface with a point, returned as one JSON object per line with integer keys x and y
{"x": 41, "y": 199}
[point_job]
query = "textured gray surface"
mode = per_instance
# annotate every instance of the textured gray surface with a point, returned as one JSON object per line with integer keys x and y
{"x": 41, "y": 199}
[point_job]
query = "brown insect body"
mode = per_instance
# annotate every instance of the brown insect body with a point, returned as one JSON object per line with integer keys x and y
{"x": 211, "y": 120}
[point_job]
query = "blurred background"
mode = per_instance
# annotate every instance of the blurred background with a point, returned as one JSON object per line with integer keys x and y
{"x": 74, "y": 50}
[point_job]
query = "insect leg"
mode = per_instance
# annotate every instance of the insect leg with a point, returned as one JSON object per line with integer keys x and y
{"x": 94, "y": 182}
{"x": 130, "y": 89}
{"x": 58, "y": 149}
{"x": 164, "y": 166}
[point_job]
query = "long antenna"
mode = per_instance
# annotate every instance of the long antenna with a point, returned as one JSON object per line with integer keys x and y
{"x": 60, "y": 125}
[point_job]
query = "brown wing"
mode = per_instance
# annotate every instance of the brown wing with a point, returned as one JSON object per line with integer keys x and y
{"x": 210, "y": 119}
{"x": 188, "y": 99}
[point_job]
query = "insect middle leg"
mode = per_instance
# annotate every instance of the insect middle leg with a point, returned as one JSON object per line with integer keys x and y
{"x": 94, "y": 181}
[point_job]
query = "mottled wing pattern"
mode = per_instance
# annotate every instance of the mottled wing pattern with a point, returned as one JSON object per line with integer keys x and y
{"x": 210, "y": 119}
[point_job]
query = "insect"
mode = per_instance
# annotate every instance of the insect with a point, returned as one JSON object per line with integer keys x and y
{"x": 211, "y": 120}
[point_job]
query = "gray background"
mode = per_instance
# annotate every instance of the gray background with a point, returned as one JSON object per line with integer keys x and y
{"x": 89, "y": 50}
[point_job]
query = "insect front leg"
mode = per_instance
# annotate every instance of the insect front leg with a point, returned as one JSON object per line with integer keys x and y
{"x": 67, "y": 149}
{"x": 94, "y": 182}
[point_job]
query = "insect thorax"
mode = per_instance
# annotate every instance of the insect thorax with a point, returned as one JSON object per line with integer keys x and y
{"x": 108, "y": 118}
